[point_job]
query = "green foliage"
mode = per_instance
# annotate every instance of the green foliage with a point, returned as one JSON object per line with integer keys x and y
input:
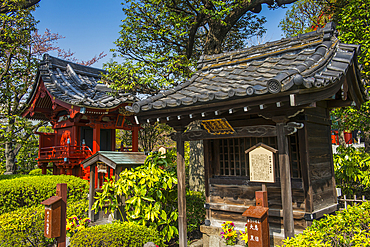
{"x": 195, "y": 213}
{"x": 36, "y": 172}
{"x": 31, "y": 190}
{"x": 14, "y": 176}
{"x": 353, "y": 26}
{"x": 161, "y": 41}
{"x": 151, "y": 190}
{"x": 304, "y": 16}
{"x": 117, "y": 234}
{"x": 347, "y": 228}
{"x": 151, "y": 136}
{"x": 25, "y": 226}
{"x": 352, "y": 170}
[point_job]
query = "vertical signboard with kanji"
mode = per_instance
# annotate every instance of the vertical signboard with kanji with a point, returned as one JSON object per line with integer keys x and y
{"x": 258, "y": 228}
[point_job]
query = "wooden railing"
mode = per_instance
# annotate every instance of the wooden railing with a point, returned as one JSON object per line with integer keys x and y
{"x": 346, "y": 201}
{"x": 66, "y": 151}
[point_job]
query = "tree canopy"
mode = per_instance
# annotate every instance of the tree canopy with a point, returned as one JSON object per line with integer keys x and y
{"x": 353, "y": 24}
{"x": 161, "y": 41}
{"x": 21, "y": 46}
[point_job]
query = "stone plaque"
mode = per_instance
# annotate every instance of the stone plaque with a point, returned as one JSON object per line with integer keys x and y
{"x": 261, "y": 163}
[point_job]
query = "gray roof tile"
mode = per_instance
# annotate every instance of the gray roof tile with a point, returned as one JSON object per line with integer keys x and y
{"x": 75, "y": 84}
{"x": 310, "y": 60}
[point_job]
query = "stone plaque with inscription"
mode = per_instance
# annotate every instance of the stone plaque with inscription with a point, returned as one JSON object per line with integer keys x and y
{"x": 261, "y": 163}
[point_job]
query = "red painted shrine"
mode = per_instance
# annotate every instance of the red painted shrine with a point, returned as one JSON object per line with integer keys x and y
{"x": 84, "y": 115}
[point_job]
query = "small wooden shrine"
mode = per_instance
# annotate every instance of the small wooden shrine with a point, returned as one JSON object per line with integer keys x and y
{"x": 279, "y": 94}
{"x": 83, "y": 113}
{"x": 110, "y": 163}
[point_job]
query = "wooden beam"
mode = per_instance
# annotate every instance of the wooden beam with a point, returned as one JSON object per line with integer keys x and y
{"x": 135, "y": 139}
{"x": 248, "y": 131}
{"x": 207, "y": 162}
{"x": 181, "y": 189}
{"x": 285, "y": 181}
{"x": 61, "y": 191}
{"x": 92, "y": 192}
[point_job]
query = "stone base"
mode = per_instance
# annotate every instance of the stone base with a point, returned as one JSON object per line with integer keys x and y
{"x": 212, "y": 237}
{"x": 8, "y": 173}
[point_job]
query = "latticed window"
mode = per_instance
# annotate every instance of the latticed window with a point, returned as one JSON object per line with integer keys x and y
{"x": 232, "y": 160}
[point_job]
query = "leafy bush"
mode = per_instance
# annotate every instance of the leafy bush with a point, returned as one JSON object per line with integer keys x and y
{"x": 118, "y": 234}
{"x": 350, "y": 227}
{"x": 152, "y": 192}
{"x": 32, "y": 190}
{"x": 352, "y": 170}
{"x": 25, "y": 226}
{"x": 195, "y": 213}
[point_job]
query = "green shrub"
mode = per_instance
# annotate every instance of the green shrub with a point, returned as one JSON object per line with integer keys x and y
{"x": 152, "y": 194}
{"x": 38, "y": 172}
{"x": 118, "y": 234}
{"x": 32, "y": 190}
{"x": 25, "y": 226}
{"x": 350, "y": 227}
{"x": 195, "y": 213}
{"x": 7, "y": 177}
{"x": 352, "y": 170}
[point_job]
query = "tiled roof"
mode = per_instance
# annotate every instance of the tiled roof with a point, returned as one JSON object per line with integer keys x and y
{"x": 77, "y": 84}
{"x": 312, "y": 60}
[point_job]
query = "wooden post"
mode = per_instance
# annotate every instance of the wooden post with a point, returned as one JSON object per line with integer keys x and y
{"x": 62, "y": 192}
{"x": 44, "y": 170}
{"x": 92, "y": 192}
{"x": 96, "y": 138}
{"x": 285, "y": 181}
{"x": 135, "y": 139}
{"x": 181, "y": 190}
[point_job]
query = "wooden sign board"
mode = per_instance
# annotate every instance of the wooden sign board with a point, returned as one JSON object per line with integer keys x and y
{"x": 218, "y": 126}
{"x": 53, "y": 214}
{"x": 261, "y": 163}
{"x": 258, "y": 227}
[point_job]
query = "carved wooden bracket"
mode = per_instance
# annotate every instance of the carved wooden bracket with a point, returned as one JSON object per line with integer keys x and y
{"x": 292, "y": 127}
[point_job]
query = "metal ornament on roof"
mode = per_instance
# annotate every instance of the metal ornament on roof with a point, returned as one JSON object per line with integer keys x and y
{"x": 124, "y": 112}
{"x": 218, "y": 126}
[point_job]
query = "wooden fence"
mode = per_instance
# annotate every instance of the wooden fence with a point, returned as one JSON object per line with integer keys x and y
{"x": 346, "y": 201}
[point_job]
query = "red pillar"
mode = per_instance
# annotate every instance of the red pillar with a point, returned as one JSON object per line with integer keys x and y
{"x": 96, "y": 148}
{"x": 96, "y": 138}
{"x": 135, "y": 139}
{"x": 113, "y": 140}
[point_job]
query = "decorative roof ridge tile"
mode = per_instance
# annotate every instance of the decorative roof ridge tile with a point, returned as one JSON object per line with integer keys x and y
{"x": 249, "y": 57}
{"x": 57, "y": 62}
{"x": 246, "y": 52}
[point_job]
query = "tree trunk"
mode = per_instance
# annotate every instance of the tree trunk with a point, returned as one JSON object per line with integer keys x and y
{"x": 9, "y": 150}
{"x": 367, "y": 141}
{"x": 342, "y": 141}
{"x": 10, "y": 158}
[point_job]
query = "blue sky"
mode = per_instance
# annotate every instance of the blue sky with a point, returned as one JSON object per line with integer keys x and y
{"x": 91, "y": 26}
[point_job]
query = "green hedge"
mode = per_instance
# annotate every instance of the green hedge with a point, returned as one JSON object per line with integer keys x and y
{"x": 32, "y": 190}
{"x": 8, "y": 177}
{"x": 25, "y": 226}
{"x": 118, "y": 234}
{"x": 350, "y": 227}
